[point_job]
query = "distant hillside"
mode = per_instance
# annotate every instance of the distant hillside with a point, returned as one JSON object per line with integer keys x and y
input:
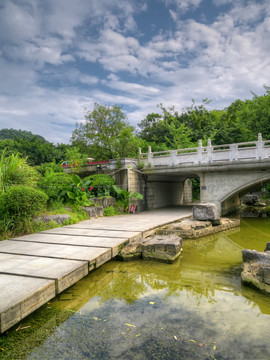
{"x": 20, "y": 134}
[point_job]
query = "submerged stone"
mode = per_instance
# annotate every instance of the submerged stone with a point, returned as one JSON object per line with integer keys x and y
{"x": 256, "y": 270}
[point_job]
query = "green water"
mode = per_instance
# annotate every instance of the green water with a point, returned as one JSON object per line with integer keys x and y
{"x": 196, "y": 308}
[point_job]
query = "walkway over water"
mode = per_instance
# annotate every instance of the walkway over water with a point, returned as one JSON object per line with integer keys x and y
{"x": 35, "y": 268}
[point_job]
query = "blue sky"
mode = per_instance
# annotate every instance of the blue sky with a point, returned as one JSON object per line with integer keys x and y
{"x": 59, "y": 57}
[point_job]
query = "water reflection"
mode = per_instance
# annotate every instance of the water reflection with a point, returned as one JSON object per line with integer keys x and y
{"x": 195, "y": 308}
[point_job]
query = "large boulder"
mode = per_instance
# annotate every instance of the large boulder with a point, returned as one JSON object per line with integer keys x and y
{"x": 256, "y": 270}
{"x": 165, "y": 248}
{"x": 206, "y": 212}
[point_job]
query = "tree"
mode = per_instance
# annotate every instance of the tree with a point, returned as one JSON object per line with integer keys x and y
{"x": 100, "y": 134}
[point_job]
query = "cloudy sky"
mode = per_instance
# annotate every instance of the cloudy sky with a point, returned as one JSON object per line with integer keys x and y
{"x": 58, "y": 57}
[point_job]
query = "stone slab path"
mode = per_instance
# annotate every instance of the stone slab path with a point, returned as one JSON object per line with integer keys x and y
{"x": 34, "y": 268}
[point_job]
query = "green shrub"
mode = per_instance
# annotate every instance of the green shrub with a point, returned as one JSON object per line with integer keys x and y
{"x": 15, "y": 170}
{"x": 78, "y": 192}
{"x": 109, "y": 211}
{"x": 50, "y": 167}
{"x": 21, "y": 202}
{"x": 101, "y": 184}
{"x": 54, "y": 184}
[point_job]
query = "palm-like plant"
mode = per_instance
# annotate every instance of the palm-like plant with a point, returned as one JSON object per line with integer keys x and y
{"x": 14, "y": 170}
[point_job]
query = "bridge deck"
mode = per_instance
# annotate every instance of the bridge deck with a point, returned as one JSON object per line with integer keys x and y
{"x": 34, "y": 268}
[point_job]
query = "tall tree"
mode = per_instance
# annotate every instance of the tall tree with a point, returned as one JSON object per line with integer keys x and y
{"x": 100, "y": 134}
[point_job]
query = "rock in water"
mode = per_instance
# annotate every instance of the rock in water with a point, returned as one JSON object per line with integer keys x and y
{"x": 257, "y": 269}
{"x": 165, "y": 248}
{"x": 267, "y": 247}
{"x": 206, "y": 212}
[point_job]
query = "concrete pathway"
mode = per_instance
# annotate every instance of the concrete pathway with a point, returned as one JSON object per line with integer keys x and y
{"x": 34, "y": 268}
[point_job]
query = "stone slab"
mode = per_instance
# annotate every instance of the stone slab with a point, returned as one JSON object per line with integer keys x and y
{"x": 91, "y": 232}
{"x": 64, "y": 272}
{"x": 20, "y": 296}
{"x": 95, "y": 256}
{"x": 61, "y": 239}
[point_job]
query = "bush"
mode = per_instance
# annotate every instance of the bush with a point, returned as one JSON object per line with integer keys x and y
{"x": 54, "y": 184}
{"x": 15, "y": 170}
{"x": 101, "y": 183}
{"x": 110, "y": 211}
{"x": 50, "y": 167}
{"x": 21, "y": 202}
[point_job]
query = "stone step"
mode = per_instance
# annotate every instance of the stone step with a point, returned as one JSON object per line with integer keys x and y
{"x": 64, "y": 272}
{"x": 94, "y": 256}
{"x": 20, "y": 296}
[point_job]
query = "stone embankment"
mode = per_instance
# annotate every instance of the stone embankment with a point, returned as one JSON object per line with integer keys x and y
{"x": 205, "y": 221}
{"x": 256, "y": 271}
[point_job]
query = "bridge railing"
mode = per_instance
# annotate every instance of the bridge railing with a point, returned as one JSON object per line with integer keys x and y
{"x": 253, "y": 150}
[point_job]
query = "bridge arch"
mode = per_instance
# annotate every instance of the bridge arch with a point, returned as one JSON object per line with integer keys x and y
{"x": 231, "y": 201}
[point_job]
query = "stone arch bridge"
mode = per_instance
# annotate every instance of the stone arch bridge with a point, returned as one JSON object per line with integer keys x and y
{"x": 226, "y": 172}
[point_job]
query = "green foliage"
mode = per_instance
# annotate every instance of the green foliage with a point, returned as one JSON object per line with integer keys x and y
{"x": 21, "y": 202}
{"x": 15, "y": 170}
{"x": 77, "y": 192}
{"x": 125, "y": 196}
{"x": 100, "y": 185}
{"x": 19, "y": 134}
{"x": 50, "y": 167}
{"x": 75, "y": 158}
{"x": 239, "y": 122}
{"x": 55, "y": 184}
{"x": 195, "y": 189}
{"x": 35, "y": 147}
{"x": 104, "y": 133}
{"x": 110, "y": 211}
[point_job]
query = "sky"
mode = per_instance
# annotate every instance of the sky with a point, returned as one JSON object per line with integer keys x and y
{"x": 59, "y": 57}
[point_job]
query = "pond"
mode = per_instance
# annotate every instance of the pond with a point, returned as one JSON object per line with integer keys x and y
{"x": 196, "y": 308}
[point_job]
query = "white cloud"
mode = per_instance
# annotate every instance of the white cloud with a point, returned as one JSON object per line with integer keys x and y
{"x": 221, "y": 60}
{"x": 183, "y": 5}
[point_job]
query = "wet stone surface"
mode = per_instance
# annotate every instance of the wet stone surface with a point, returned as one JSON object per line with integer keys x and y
{"x": 256, "y": 270}
{"x": 165, "y": 248}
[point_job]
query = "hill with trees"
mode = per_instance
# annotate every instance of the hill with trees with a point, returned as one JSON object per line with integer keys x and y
{"x": 12, "y": 134}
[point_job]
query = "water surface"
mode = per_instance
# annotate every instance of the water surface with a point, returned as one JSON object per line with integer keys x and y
{"x": 196, "y": 308}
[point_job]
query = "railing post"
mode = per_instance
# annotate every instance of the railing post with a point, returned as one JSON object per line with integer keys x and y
{"x": 260, "y": 153}
{"x": 150, "y": 155}
{"x": 233, "y": 152}
{"x": 173, "y": 154}
{"x": 198, "y": 159}
{"x": 209, "y": 151}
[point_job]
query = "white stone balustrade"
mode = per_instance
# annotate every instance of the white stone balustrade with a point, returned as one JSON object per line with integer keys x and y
{"x": 253, "y": 150}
